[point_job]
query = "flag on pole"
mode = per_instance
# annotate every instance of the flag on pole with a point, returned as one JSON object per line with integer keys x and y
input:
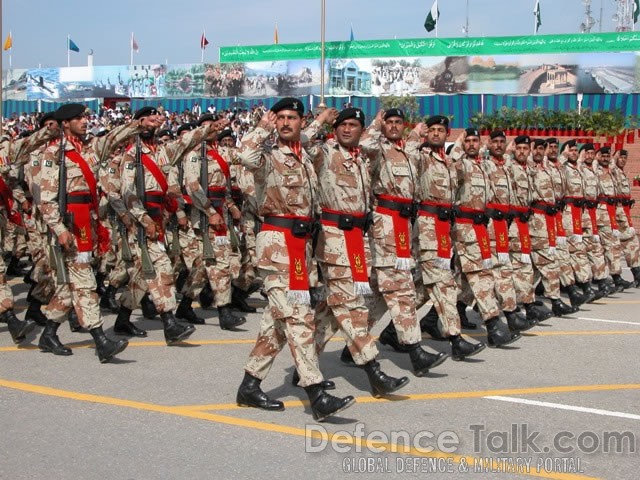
{"x": 536, "y": 12}
{"x": 73, "y": 47}
{"x": 351, "y": 36}
{"x": 275, "y": 35}
{"x": 636, "y": 11}
{"x": 134, "y": 44}
{"x": 8, "y": 43}
{"x": 203, "y": 42}
{"x": 432, "y": 18}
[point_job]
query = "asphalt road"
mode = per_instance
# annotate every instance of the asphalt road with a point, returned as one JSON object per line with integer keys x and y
{"x": 561, "y": 403}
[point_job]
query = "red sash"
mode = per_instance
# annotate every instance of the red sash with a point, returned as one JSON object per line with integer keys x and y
{"x": 525, "y": 236}
{"x": 6, "y": 197}
{"x": 354, "y": 239}
{"x": 576, "y": 219}
{"x": 482, "y": 235}
{"x": 551, "y": 229}
{"x": 593, "y": 217}
{"x": 297, "y": 251}
{"x": 560, "y": 231}
{"x": 627, "y": 210}
{"x": 400, "y": 227}
{"x": 221, "y": 230}
{"x": 443, "y": 232}
{"x": 611, "y": 210}
{"x": 82, "y": 230}
{"x": 500, "y": 229}
{"x": 221, "y": 162}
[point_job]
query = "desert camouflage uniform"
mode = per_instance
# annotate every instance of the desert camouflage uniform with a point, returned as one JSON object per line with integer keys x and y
{"x": 80, "y": 292}
{"x": 628, "y": 235}
{"x": 578, "y": 253}
{"x": 286, "y": 185}
{"x": 591, "y": 235}
{"x": 249, "y": 226}
{"x": 609, "y": 236}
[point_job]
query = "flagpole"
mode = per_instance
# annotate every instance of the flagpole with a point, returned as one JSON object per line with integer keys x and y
{"x": 204, "y": 35}
{"x": 322, "y": 45}
{"x": 68, "y": 51}
{"x": 131, "y": 49}
{"x": 437, "y": 17}
{"x": 535, "y": 18}
{"x": 11, "y": 49}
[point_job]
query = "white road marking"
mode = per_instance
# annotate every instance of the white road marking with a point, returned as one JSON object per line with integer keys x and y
{"x": 607, "y": 321}
{"x": 560, "y": 406}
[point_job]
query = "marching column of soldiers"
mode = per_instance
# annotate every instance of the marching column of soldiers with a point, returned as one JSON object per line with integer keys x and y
{"x": 334, "y": 231}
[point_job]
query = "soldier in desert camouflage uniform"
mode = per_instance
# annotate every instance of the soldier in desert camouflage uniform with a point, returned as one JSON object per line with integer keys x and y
{"x": 286, "y": 188}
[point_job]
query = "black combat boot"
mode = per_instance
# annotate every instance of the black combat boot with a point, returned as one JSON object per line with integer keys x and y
{"x": 464, "y": 320}
{"x": 346, "y": 357}
{"x": 182, "y": 278}
{"x": 591, "y": 293}
{"x": 227, "y": 320}
{"x": 206, "y": 297}
{"x": 124, "y": 326}
{"x": 636, "y": 275}
{"x": 34, "y": 312}
{"x": 15, "y": 269}
{"x": 185, "y": 312}
{"x": 422, "y": 361}
{"x": 324, "y": 405}
{"x": 575, "y": 297}
{"x": 542, "y": 311}
{"x": 559, "y": 308}
{"x": 74, "y": 323}
{"x": 100, "y": 288}
{"x": 239, "y": 301}
{"x": 173, "y": 331}
{"x": 49, "y": 341}
{"x": 496, "y": 336}
{"x": 618, "y": 281}
{"x": 107, "y": 348}
{"x": 251, "y": 395}
{"x": 149, "y": 310}
{"x": 461, "y": 349}
{"x": 389, "y": 337}
{"x": 518, "y": 323}
{"x": 429, "y": 324}
{"x": 605, "y": 287}
{"x": 108, "y": 300}
{"x": 381, "y": 383}
{"x": 27, "y": 278}
{"x": 17, "y": 328}
{"x": 325, "y": 384}
{"x": 532, "y": 314}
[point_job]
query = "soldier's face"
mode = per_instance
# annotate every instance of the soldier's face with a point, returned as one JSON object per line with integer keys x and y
{"x": 589, "y": 155}
{"x": 572, "y": 154}
{"x": 538, "y": 153}
{"x": 437, "y": 135}
{"x": 605, "y": 159}
{"x": 522, "y": 152}
{"x": 472, "y": 146}
{"x": 622, "y": 161}
{"x": 288, "y": 125}
{"x": 227, "y": 142}
{"x": 348, "y": 133}
{"x": 213, "y": 134}
{"x": 393, "y": 128}
{"x": 497, "y": 146}
{"x": 552, "y": 151}
{"x": 77, "y": 126}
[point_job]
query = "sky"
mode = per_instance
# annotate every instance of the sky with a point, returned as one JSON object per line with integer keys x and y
{"x": 169, "y": 31}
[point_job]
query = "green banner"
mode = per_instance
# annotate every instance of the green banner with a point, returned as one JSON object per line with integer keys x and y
{"x": 438, "y": 47}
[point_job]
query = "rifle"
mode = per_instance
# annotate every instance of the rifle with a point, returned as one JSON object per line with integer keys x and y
{"x": 56, "y": 259}
{"x": 148, "y": 272}
{"x": 207, "y": 247}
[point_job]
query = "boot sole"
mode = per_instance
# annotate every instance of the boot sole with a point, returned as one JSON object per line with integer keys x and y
{"x": 22, "y": 334}
{"x": 247, "y": 405}
{"x": 459, "y": 358}
{"x": 321, "y": 419}
{"x": 60, "y": 354}
{"x": 183, "y": 336}
{"x": 509, "y": 342}
{"x": 388, "y": 392}
{"x": 119, "y": 350}
{"x": 129, "y": 333}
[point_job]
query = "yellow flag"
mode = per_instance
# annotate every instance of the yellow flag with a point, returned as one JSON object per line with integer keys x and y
{"x": 8, "y": 43}
{"x": 275, "y": 35}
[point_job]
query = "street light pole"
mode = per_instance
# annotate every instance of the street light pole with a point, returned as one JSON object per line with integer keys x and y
{"x": 322, "y": 41}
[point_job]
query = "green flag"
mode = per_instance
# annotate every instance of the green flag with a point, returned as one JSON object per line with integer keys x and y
{"x": 536, "y": 12}
{"x": 636, "y": 11}
{"x": 432, "y": 18}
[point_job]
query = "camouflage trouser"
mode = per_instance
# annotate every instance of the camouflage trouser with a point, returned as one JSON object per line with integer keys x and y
{"x": 547, "y": 266}
{"x": 79, "y": 293}
{"x": 612, "y": 250}
{"x": 42, "y": 274}
{"x": 6, "y": 295}
{"x": 523, "y": 278}
{"x": 481, "y": 286}
{"x": 284, "y": 323}
{"x": 118, "y": 276}
{"x": 344, "y": 310}
{"x": 443, "y": 292}
{"x": 216, "y": 270}
{"x": 630, "y": 247}
{"x": 14, "y": 240}
{"x": 579, "y": 259}
{"x": 564, "y": 263}
{"x": 504, "y": 285}
{"x": 247, "y": 275}
{"x": 595, "y": 255}
{"x": 161, "y": 287}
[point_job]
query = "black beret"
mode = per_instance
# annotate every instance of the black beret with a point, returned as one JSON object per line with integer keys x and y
{"x": 437, "y": 120}
{"x": 472, "y": 132}
{"x": 46, "y": 118}
{"x": 289, "y": 103}
{"x": 570, "y": 143}
{"x": 69, "y": 111}
{"x": 522, "y": 139}
{"x": 164, "y": 133}
{"x": 623, "y": 152}
{"x": 552, "y": 141}
{"x": 539, "y": 142}
{"x": 186, "y": 127}
{"x": 349, "y": 113}
{"x": 393, "y": 112}
{"x": 227, "y": 132}
{"x": 587, "y": 146}
{"x": 145, "y": 112}
{"x": 605, "y": 150}
{"x": 496, "y": 134}
{"x": 206, "y": 117}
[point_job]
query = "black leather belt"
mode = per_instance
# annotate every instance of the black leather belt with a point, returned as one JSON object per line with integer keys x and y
{"x": 154, "y": 212}
{"x": 479, "y": 218}
{"x": 549, "y": 209}
{"x": 443, "y": 213}
{"x": 216, "y": 194}
{"x": 578, "y": 202}
{"x": 298, "y": 226}
{"x": 81, "y": 199}
{"x": 406, "y": 209}
{"x": 154, "y": 198}
{"x": 608, "y": 200}
{"x": 345, "y": 221}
